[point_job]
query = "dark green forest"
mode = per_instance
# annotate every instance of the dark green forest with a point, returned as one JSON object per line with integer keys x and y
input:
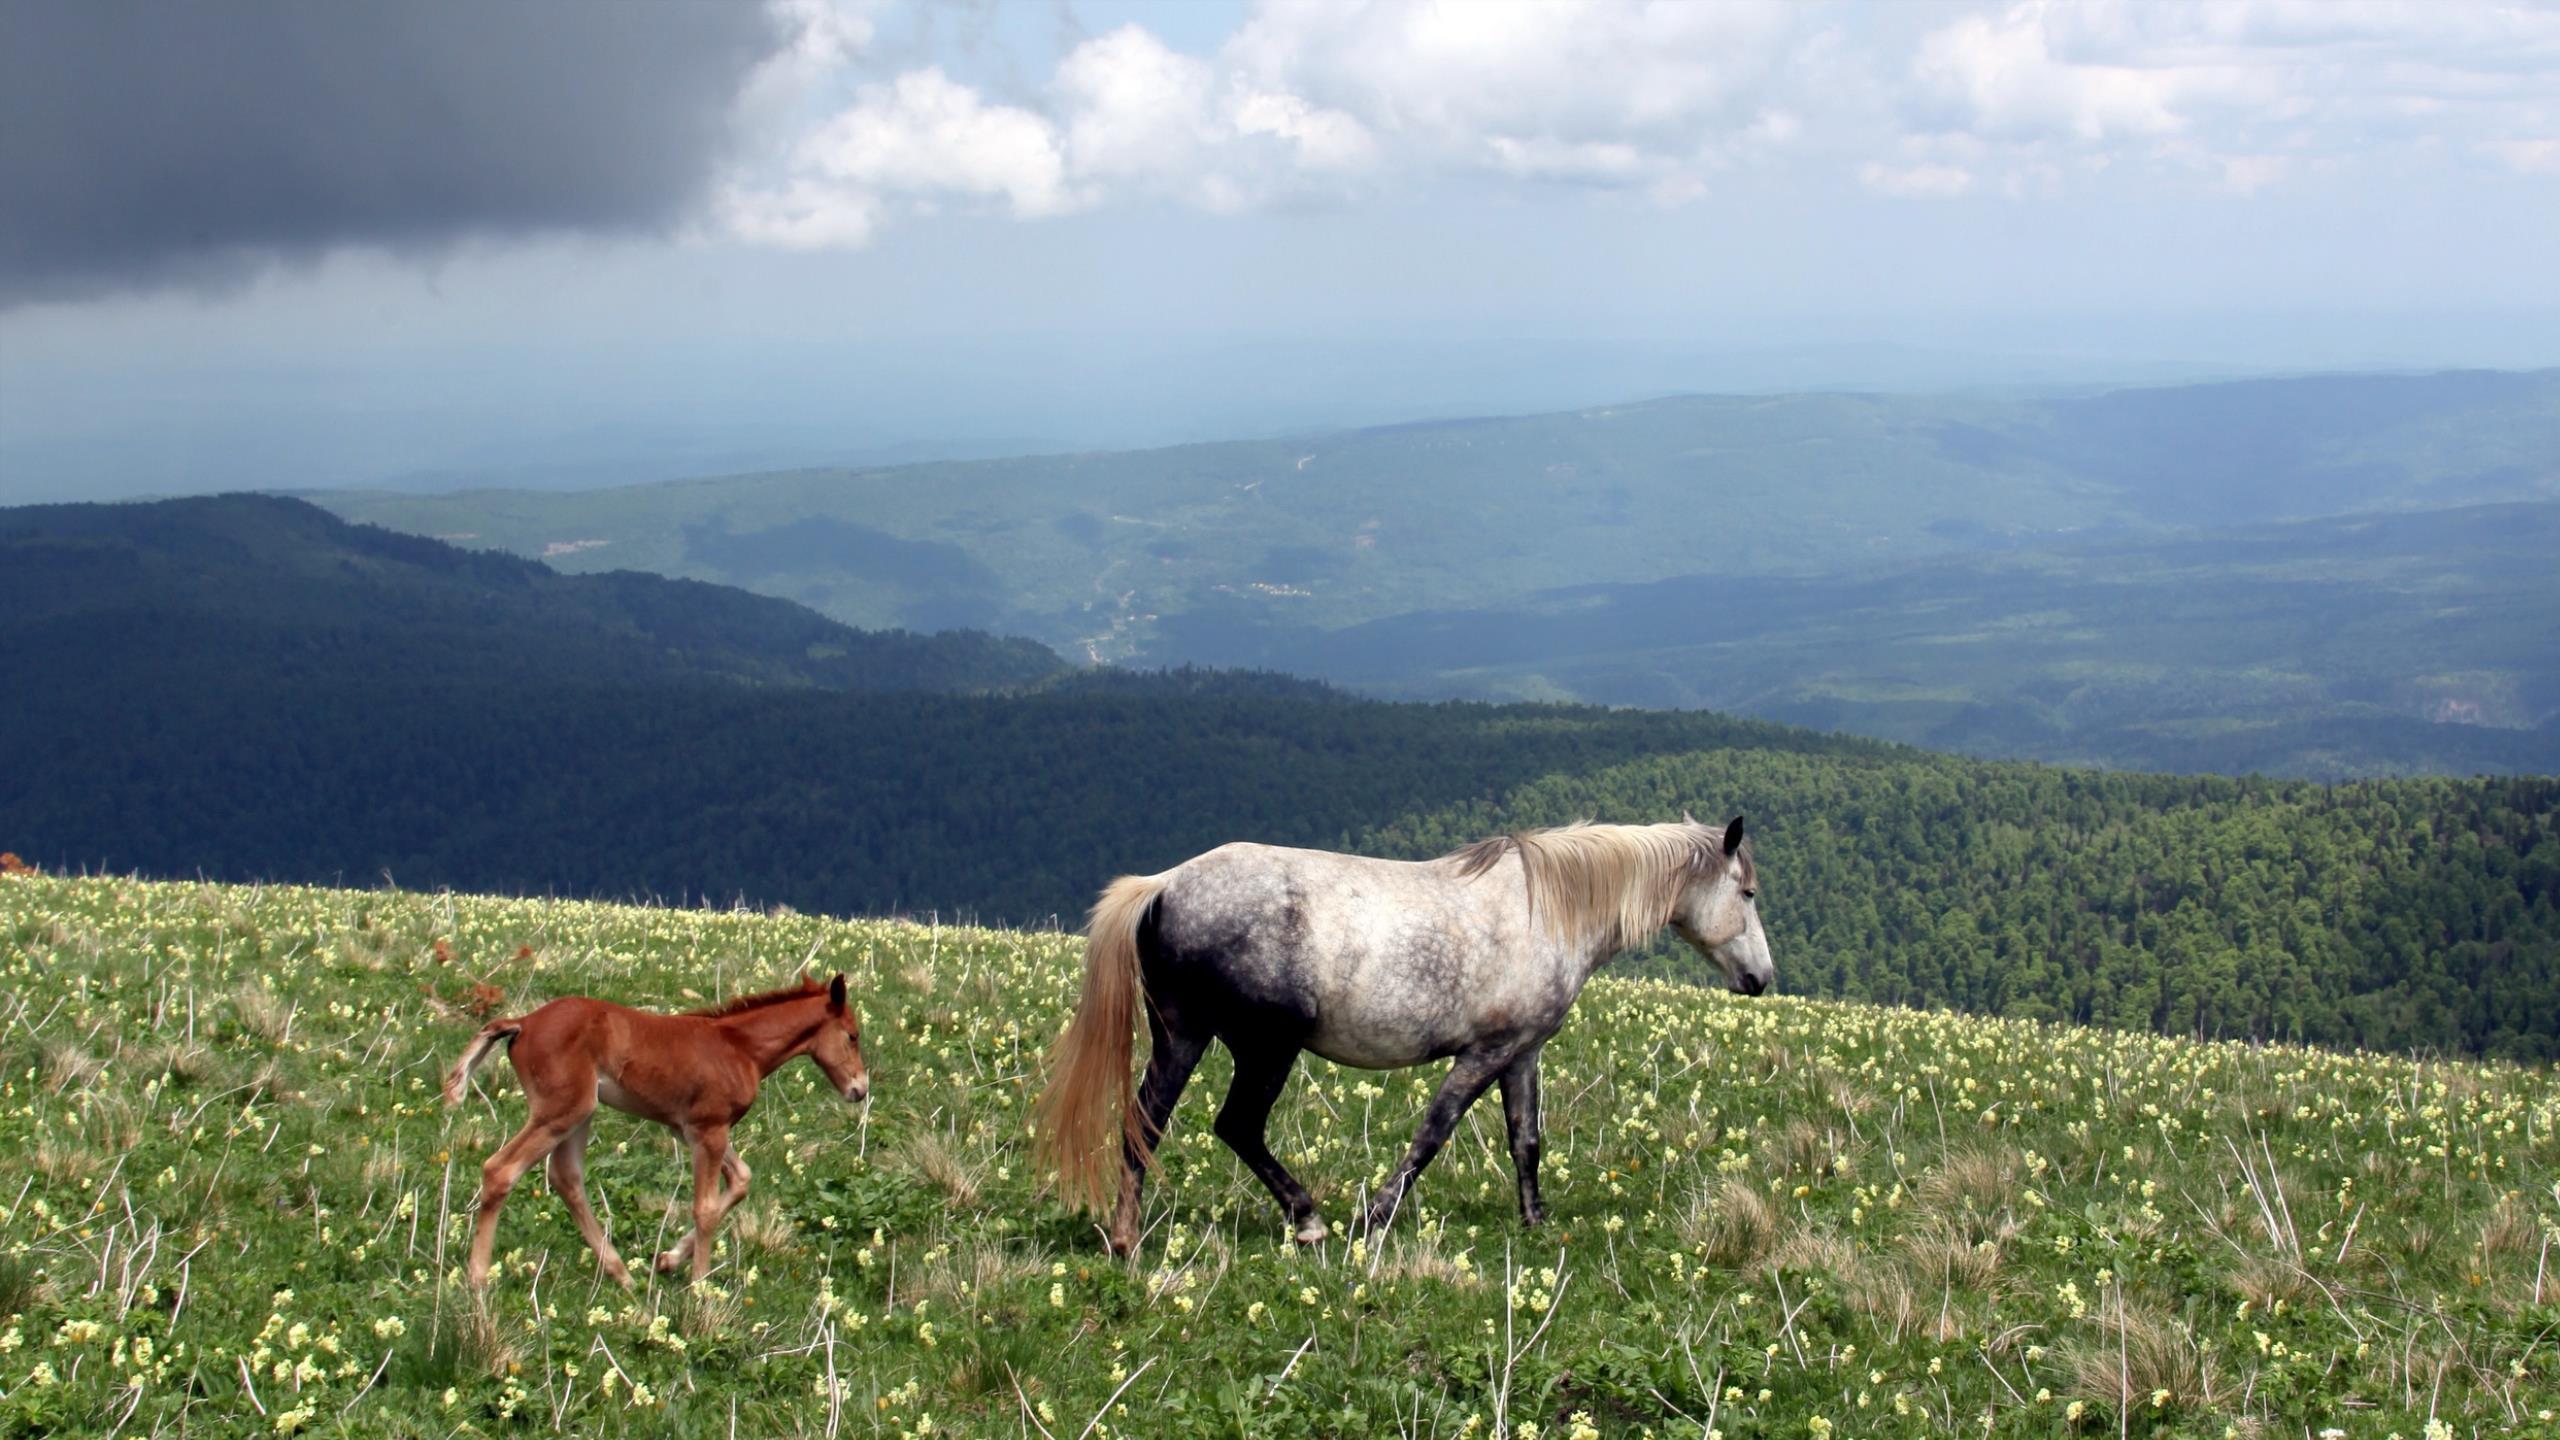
{"x": 2403, "y": 913}
{"x": 148, "y": 732}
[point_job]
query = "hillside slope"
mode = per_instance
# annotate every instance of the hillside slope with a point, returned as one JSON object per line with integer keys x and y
{"x": 2332, "y": 649}
{"x": 1767, "y": 1218}
{"x": 1095, "y": 550}
{"x": 2101, "y": 578}
{"x": 189, "y": 591}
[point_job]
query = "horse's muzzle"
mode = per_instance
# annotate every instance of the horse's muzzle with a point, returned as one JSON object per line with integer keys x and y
{"x": 858, "y": 1092}
{"x": 1748, "y": 983}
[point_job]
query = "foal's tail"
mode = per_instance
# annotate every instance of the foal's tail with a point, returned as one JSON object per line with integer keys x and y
{"x": 1090, "y": 1067}
{"x": 491, "y": 1036}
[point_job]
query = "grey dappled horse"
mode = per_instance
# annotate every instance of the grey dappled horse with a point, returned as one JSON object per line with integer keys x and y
{"x": 1374, "y": 963}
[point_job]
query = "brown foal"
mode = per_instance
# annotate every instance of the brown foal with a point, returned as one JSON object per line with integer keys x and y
{"x": 696, "y": 1074}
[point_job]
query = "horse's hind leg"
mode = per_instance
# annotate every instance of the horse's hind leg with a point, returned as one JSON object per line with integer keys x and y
{"x": 1468, "y": 1077}
{"x": 1172, "y": 1057}
{"x": 569, "y": 1179}
{"x": 1260, "y": 1076}
{"x": 499, "y": 1176}
{"x": 1520, "y": 1108}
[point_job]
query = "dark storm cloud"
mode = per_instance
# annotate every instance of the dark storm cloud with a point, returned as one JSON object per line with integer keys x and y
{"x": 154, "y": 144}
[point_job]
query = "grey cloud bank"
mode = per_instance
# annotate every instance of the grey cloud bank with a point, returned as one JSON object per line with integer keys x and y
{"x": 152, "y": 144}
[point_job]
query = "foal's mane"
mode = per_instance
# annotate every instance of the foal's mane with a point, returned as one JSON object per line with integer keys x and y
{"x": 1601, "y": 883}
{"x": 802, "y": 991}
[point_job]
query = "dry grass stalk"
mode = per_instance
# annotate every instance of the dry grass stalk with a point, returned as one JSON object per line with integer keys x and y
{"x": 1730, "y": 1225}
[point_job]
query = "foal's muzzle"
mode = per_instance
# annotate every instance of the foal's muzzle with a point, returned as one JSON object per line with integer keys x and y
{"x": 858, "y": 1092}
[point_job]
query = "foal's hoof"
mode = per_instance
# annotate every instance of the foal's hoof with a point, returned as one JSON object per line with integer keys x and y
{"x": 1120, "y": 1244}
{"x": 1311, "y": 1230}
{"x": 667, "y": 1261}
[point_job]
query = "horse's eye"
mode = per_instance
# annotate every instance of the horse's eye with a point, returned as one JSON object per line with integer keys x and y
{"x": 1751, "y": 893}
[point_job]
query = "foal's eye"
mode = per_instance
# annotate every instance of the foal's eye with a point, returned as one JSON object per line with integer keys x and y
{"x": 1751, "y": 893}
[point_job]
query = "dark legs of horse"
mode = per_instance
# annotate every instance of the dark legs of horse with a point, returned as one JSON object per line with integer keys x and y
{"x": 1520, "y": 1110}
{"x": 1260, "y": 1075}
{"x": 1170, "y": 1061}
{"x": 1468, "y": 1077}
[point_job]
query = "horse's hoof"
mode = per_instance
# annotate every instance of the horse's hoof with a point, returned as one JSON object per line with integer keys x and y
{"x": 1311, "y": 1231}
{"x": 667, "y": 1261}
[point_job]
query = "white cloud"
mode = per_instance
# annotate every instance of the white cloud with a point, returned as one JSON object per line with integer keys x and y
{"x": 2528, "y": 157}
{"x": 1610, "y": 92}
{"x": 1135, "y": 108}
{"x": 1917, "y": 182}
{"x": 928, "y": 135}
{"x": 2243, "y": 92}
{"x": 1328, "y": 100}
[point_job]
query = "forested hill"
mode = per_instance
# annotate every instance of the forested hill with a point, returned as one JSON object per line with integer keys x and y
{"x": 236, "y": 589}
{"x": 2388, "y": 914}
{"x": 2392, "y": 913}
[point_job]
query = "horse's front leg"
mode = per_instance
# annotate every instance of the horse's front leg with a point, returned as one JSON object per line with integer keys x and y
{"x": 1468, "y": 1077}
{"x": 1520, "y": 1109}
{"x": 712, "y": 1164}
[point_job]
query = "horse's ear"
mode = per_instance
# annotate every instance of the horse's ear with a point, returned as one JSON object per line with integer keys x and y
{"x": 835, "y": 995}
{"x": 1686, "y": 818}
{"x": 1733, "y": 836}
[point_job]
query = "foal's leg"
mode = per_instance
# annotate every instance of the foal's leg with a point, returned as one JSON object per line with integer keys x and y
{"x": 1520, "y": 1108}
{"x": 1468, "y": 1077}
{"x": 503, "y": 1169}
{"x": 711, "y": 1161}
{"x": 1260, "y": 1075}
{"x": 734, "y": 1178}
{"x": 1170, "y": 1061}
{"x": 569, "y": 1178}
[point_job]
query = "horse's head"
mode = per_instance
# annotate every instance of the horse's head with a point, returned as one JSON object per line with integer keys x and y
{"x": 838, "y": 1048}
{"x": 1718, "y": 910}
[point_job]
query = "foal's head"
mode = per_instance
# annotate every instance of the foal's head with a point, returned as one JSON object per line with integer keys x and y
{"x": 838, "y": 1048}
{"x": 1718, "y": 910}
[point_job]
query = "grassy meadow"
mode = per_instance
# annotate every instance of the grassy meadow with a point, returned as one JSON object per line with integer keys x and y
{"x": 234, "y": 1204}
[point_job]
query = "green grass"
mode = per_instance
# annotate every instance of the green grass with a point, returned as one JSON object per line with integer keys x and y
{"x": 234, "y": 1207}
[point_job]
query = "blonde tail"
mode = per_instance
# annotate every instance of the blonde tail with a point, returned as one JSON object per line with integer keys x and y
{"x": 458, "y": 1080}
{"x": 1090, "y": 1068}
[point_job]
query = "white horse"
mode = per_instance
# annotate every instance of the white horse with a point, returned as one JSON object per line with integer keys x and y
{"x": 1375, "y": 963}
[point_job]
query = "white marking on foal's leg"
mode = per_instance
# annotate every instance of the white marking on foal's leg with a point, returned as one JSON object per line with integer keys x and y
{"x": 1311, "y": 1231}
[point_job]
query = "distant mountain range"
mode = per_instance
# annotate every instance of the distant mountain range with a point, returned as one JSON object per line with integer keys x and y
{"x": 2222, "y": 576}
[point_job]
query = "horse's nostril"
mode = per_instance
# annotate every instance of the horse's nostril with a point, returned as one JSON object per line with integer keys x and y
{"x": 1750, "y": 984}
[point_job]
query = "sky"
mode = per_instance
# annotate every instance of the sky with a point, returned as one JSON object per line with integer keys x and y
{"x": 302, "y": 244}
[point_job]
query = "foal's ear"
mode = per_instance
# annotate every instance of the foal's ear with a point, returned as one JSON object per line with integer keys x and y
{"x": 835, "y": 995}
{"x": 1733, "y": 836}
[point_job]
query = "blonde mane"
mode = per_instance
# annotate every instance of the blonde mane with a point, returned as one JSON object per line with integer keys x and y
{"x": 1601, "y": 884}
